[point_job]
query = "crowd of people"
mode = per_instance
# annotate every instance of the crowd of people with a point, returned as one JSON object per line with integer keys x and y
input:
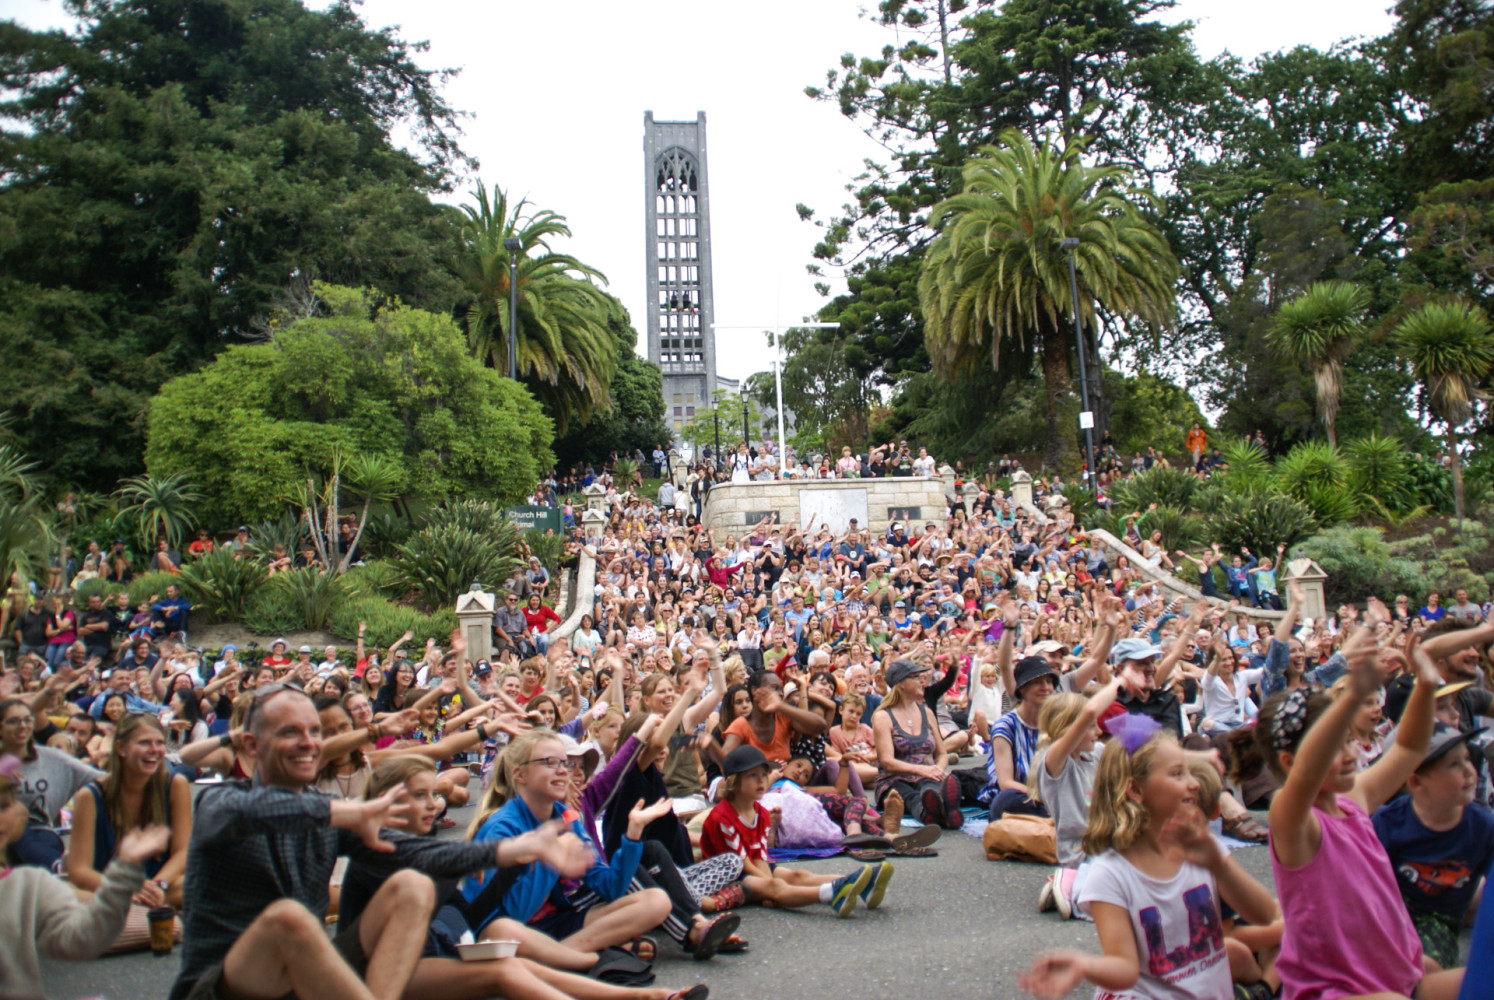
{"x": 728, "y": 694}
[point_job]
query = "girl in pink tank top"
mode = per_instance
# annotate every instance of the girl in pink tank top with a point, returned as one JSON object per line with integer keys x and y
{"x": 1347, "y": 932}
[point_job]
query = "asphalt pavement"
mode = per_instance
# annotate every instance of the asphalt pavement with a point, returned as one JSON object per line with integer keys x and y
{"x": 955, "y": 924}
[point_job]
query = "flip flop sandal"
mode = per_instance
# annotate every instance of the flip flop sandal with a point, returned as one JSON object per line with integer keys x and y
{"x": 733, "y": 946}
{"x": 868, "y": 856}
{"x": 1244, "y": 827}
{"x": 713, "y": 935}
{"x": 915, "y": 852}
{"x": 620, "y": 968}
{"x": 642, "y": 947}
{"x": 866, "y": 840}
{"x": 924, "y": 836}
{"x": 697, "y": 992}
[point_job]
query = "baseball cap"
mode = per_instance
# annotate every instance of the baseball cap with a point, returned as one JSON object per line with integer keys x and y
{"x": 1444, "y": 738}
{"x": 589, "y": 749}
{"x": 900, "y": 670}
{"x": 483, "y": 669}
{"x": 742, "y": 759}
{"x": 304, "y": 649}
{"x": 1134, "y": 649}
{"x": 1046, "y": 646}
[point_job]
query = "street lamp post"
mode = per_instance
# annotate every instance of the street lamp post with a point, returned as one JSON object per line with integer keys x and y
{"x": 1086, "y": 418}
{"x": 746, "y": 433}
{"x": 513, "y": 246}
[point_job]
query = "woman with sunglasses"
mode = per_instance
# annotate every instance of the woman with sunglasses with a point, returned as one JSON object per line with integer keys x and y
{"x": 48, "y": 778}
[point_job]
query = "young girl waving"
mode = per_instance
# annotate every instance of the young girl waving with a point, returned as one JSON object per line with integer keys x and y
{"x": 1347, "y": 931}
{"x": 1155, "y": 884}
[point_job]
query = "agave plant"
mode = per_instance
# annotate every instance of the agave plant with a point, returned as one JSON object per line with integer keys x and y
{"x": 442, "y": 562}
{"x": 159, "y": 506}
{"x": 1161, "y": 486}
{"x": 312, "y": 591}
{"x": 1260, "y": 520}
{"x": 221, "y": 584}
{"x": 287, "y": 531}
{"x": 482, "y": 517}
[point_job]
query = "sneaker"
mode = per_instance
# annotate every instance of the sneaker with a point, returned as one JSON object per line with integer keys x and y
{"x": 876, "y": 887}
{"x": 1063, "y": 897}
{"x": 892, "y": 814}
{"x": 844, "y": 890}
{"x": 1045, "y": 897}
{"x": 954, "y": 819}
{"x": 1253, "y": 991}
{"x": 933, "y": 808}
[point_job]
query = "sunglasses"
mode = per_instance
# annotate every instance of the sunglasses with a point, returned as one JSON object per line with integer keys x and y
{"x": 263, "y": 693}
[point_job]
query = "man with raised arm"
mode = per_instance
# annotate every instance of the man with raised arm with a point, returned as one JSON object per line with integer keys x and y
{"x": 261, "y": 856}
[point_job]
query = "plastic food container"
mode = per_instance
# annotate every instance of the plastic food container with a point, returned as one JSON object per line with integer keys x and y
{"x": 486, "y": 951}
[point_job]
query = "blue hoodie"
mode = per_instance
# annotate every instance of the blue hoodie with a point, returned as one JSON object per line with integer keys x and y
{"x": 539, "y": 884}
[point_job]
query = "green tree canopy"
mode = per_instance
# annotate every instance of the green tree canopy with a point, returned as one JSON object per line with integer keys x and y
{"x": 565, "y": 352}
{"x": 166, "y": 168}
{"x": 997, "y": 271}
{"x": 362, "y": 377}
{"x": 635, "y": 418}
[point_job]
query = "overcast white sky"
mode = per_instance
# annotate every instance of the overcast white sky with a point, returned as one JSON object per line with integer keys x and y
{"x": 557, "y": 93}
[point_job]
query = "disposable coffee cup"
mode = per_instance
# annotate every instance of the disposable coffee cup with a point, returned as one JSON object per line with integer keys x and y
{"x": 162, "y": 929}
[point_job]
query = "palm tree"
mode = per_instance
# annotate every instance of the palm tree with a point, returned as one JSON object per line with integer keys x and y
{"x": 566, "y": 353}
{"x": 160, "y": 506}
{"x": 1451, "y": 347}
{"x": 1319, "y": 328}
{"x": 996, "y": 269}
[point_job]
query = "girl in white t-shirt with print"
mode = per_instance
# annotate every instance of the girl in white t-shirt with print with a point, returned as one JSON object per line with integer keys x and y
{"x": 1155, "y": 884}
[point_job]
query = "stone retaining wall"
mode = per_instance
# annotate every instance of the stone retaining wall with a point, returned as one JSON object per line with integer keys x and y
{"x": 736, "y": 506}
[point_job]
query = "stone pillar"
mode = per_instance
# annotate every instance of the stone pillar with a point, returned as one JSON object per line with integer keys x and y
{"x": 678, "y": 471}
{"x": 596, "y": 497}
{"x": 475, "y": 611}
{"x": 947, "y": 476}
{"x": 1312, "y": 579}
{"x": 1022, "y": 488}
{"x": 591, "y": 525}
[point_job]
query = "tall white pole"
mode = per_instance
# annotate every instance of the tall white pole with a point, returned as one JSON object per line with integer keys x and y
{"x": 778, "y": 402}
{"x": 777, "y": 332}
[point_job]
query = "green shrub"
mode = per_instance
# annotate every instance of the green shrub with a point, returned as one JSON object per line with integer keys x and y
{"x": 442, "y": 562}
{"x": 549, "y": 548}
{"x": 481, "y": 517}
{"x": 382, "y": 534}
{"x": 1331, "y": 503}
{"x": 104, "y": 588}
{"x": 1259, "y": 521}
{"x": 1247, "y": 467}
{"x": 1173, "y": 488}
{"x": 141, "y": 588}
{"x": 375, "y": 578}
{"x": 1318, "y": 475}
{"x": 387, "y": 622}
{"x": 221, "y": 585}
{"x": 1081, "y": 502}
{"x": 1378, "y": 470}
{"x": 272, "y": 612}
{"x": 312, "y": 591}
{"x": 1359, "y": 563}
{"x": 1179, "y": 529}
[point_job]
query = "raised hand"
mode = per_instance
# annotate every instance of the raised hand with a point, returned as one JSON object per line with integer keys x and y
{"x": 367, "y": 818}
{"x": 458, "y": 643}
{"x": 399, "y": 724}
{"x": 553, "y": 846}
{"x": 511, "y": 722}
{"x": 649, "y": 727}
{"x": 1187, "y": 832}
{"x": 642, "y": 815}
{"x": 144, "y": 842}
